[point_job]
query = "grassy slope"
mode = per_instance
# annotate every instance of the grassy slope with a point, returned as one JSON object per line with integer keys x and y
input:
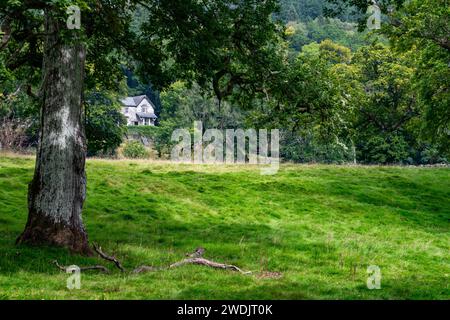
{"x": 312, "y": 223}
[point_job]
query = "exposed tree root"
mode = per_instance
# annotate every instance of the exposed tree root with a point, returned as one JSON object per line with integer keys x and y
{"x": 98, "y": 267}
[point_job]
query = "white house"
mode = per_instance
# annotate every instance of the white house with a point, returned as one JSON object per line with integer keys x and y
{"x": 139, "y": 111}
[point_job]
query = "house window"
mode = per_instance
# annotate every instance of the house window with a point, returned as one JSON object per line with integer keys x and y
{"x": 136, "y": 123}
{"x": 144, "y": 109}
{"x": 126, "y": 110}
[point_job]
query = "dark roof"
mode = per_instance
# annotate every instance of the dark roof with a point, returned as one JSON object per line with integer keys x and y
{"x": 135, "y": 101}
{"x": 146, "y": 115}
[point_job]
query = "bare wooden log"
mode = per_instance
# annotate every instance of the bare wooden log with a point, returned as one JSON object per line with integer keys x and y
{"x": 98, "y": 249}
{"x": 97, "y": 267}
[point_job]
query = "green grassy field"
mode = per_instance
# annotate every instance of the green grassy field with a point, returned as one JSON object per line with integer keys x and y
{"x": 319, "y": 226}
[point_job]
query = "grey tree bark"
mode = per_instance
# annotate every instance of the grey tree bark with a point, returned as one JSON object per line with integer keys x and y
{"x": 58, "y": 189}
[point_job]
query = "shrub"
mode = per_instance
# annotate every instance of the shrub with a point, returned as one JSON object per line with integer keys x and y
{"x": 159, "y": 136}
{"x": 135, "y": 150}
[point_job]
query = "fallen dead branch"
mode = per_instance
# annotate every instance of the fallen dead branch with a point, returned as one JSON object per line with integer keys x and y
{"x": 208, "y": 263}
{"x": 98, "y": 249}
{"x": 194, "y": 258}
{"x": 98, "y": 267}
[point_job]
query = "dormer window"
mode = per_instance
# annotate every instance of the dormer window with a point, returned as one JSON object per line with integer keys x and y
{"x": 144, "y": 109}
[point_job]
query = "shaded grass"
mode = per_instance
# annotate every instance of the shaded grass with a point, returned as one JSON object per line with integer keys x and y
{"x": 321, "y": 226}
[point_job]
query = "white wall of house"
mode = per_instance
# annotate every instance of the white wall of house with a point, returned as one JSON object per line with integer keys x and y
{"x": 145, "y": 107}
{"x": 130, "y": 114}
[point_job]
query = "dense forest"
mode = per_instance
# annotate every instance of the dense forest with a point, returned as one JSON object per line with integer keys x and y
{"x": 339, "y": 93}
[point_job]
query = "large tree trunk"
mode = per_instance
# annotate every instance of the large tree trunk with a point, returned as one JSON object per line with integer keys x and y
{"x": 57, "y": 191}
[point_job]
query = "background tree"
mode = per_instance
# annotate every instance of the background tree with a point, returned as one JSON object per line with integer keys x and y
{"x": 105, "y": 123}
{"x": 421, "y": 25}
{"x": 388, "y": 108}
